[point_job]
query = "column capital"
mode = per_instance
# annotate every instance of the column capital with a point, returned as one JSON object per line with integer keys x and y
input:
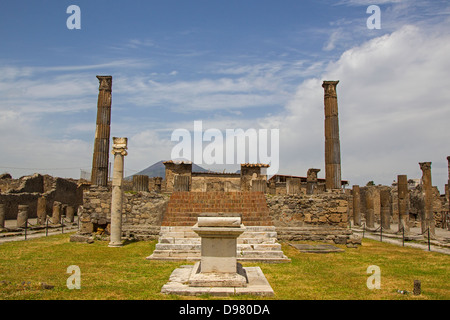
{"x": 425, "y": 165}
{"x": 330, "y": 88}
{"x": 312, "y": 173}
{"x": 105, "y": 83}
{"x": 120, "y": 146}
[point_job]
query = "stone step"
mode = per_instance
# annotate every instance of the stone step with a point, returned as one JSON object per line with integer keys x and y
{"x": 256, "y": 240}
{"x": 259, "y": 247}
{"x": 257, "y": 243}
{"x": 240, "y": 240}
{"x": 164, "y": 229}
{"x": 257, "y": 222}
{"x": 195, "y": 255}
{"x": 175, "y": 254}
{"x": 197, "y": 246}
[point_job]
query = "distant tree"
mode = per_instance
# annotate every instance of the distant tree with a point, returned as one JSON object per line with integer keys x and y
{"x": 370, "y": 183}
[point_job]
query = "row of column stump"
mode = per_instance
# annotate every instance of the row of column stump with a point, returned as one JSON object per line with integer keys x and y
{"x": 427, "y": 223}
{"x": 23, "y": 214}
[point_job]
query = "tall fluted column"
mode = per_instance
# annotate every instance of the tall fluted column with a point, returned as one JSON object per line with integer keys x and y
{"x": 100, "y": 160}
{"x": 356, "y": 206}
{"x": 448, "y": 187}
{"x": 403, "y": 195}
{"x": 119, "y": 150}
{"x": 428, "y": 217}
{"x": 332, "y": 142}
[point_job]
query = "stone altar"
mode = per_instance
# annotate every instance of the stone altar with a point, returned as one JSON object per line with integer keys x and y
{"x": 218, "y": 272}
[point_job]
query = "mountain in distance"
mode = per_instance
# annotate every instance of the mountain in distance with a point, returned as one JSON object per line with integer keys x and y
{"x": 159, "y": 170}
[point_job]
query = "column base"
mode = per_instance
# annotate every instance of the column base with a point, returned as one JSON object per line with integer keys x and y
{"x": 115, "y": 244}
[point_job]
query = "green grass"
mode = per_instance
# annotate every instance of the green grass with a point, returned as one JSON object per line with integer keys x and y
{"x": 124, "y": 273}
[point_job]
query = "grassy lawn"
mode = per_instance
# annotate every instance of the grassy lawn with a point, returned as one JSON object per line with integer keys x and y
{"x": 123, "y": 273}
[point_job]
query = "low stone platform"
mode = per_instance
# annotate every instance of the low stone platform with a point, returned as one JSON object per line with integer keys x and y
{"x": 316, "y": 248}
{"x": 257, "y": 284}
{"x": 256, "y": 244}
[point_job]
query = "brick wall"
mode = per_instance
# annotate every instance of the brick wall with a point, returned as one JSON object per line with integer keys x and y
{"x": 184, "y": 207}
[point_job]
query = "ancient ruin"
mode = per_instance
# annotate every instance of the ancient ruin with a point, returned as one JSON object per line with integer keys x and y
{"x": 281, "y": 207}
{"x": 275, "y": 208}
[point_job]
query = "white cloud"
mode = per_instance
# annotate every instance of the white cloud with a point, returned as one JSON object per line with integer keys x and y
{"x": 393, "y": 104}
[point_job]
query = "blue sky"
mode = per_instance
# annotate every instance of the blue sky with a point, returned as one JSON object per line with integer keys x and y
{"x": 231, "y": 64}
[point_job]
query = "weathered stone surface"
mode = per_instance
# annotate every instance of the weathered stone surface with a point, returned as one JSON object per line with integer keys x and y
{"x": 340, "y": 239}
{"x": 219, "y": 222}
{"x": 87, "y": 238}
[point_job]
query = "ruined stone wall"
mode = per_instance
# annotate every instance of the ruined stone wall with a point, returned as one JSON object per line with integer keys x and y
{"x": 330, "y": 208}
{"x": 7, "y": 183}
{"x": 13, "y": 200}
{"x": 27, "y": 190}
{"x": 139, "y": 208}
{"x": 28, "y": 184}
{"x": 66, "y": 192}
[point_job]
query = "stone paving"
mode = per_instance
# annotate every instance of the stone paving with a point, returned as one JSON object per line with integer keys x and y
{"x": 33, "y": 232}
{"x": 415, "y": 238}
